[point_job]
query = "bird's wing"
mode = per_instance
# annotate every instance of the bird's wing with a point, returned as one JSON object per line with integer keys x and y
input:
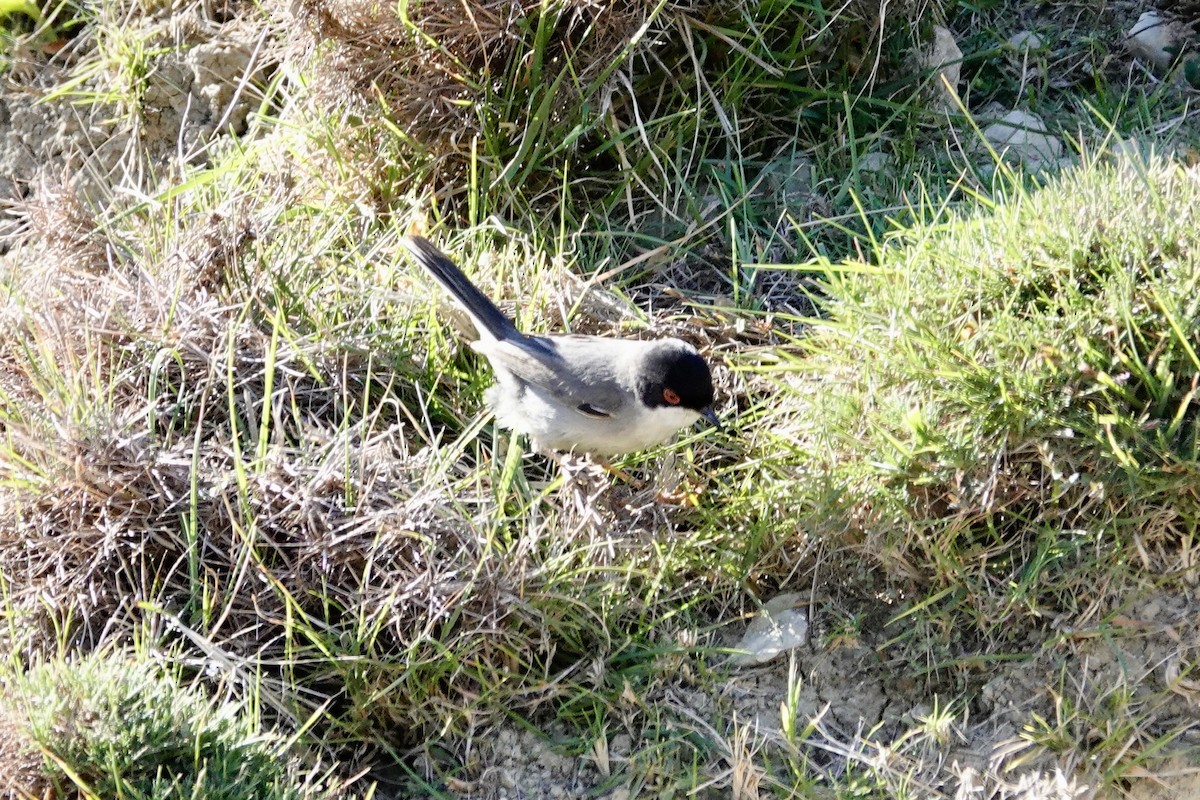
{"x": 539, "y": 361}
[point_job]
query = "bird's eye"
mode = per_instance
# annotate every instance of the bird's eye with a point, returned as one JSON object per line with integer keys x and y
{"x": 671, "y": 396}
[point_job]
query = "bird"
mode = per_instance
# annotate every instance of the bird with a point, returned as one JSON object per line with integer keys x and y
{"x": 577, "y": 393}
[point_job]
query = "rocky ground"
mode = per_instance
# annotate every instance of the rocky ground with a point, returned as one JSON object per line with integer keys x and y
{"x": 863, "y": 715}
{"x": 57, "y": 126}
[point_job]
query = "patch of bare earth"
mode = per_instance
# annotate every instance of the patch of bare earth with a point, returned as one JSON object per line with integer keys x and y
{"x": 1046, "y": 725}
{"x": 20, "y": 762}
{"x": 99, "y": 120}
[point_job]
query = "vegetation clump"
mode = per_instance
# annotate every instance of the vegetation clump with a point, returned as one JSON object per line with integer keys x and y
{"x": 112, "y": 727}
{"x": 1025, "y": 391}
{"x": 525, "y": 101}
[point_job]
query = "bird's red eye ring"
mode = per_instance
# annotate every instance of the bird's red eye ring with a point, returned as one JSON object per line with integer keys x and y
{"x": 671, "y": 396}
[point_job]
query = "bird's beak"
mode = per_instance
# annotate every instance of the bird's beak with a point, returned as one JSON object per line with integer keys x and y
{"x": 711, "y": 416}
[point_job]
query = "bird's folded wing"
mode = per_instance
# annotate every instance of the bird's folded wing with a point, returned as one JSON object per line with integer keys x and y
{"x": 540, "y": 365}
{"x": 591, "y": 410}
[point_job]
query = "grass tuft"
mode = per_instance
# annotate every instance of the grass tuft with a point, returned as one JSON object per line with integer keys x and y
{"x": 1025, "y": 404}
{"x": 107, "y": 727}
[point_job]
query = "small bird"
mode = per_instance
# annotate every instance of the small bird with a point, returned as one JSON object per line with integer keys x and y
{"x": 586, "y": 394}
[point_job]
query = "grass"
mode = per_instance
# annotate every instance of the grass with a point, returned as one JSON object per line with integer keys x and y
{"x": 1029, "y": 386}
{"x": 255, "y": 518}
{"x": 122, "y": 727}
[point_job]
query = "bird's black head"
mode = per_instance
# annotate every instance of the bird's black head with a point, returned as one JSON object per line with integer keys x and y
{"x": 674, "y": 374}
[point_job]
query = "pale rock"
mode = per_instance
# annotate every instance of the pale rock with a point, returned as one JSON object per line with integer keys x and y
{"x": 944, "y": 56}
{"x": 992, "y": 112}
{"x": 1154, "y": 39}
{"x": 1132, "y": 149}
{"x": 787, "y": 179}
{"x": 1023, "y": 47}
{"x": 777, "y": 628}
{"x": 1024, "y": 135}
{"x": 1025, "y": 41}
{"x": 875, "y": 161}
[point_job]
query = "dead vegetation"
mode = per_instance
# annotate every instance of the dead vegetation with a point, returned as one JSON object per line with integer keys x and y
{"x": 224, "y": 485}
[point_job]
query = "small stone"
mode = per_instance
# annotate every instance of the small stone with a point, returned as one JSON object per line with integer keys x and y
{"x": 1025, "y": 41}
{"x": 1023, "y": 47}
{"x": 778, "y": 627}
{"x": 875, "y": 161}
{"x": 1153, "y": 39}
{"x": 787, "y": 179}
{"x": 917, "y": 713}
{"x": 944, "y": 56}
{"x": 1130, "y": 148}
{"x": 1024, "y": 135}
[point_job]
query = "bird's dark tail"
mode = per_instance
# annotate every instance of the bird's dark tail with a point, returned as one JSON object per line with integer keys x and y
{"x": 482, "y": 310}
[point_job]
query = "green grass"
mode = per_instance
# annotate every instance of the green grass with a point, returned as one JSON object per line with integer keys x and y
{"x": 1024, "y": 392}
{"x": 121, "y": 726}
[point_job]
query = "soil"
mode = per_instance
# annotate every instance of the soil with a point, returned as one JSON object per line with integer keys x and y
{"x": 863, "y": 709}
{"x": 197, "y": 95}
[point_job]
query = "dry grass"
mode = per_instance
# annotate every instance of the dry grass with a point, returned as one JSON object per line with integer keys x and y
{"x": 507, "y": 93}
{"x": 335, "y": 544}
{"x": 433, "y": 61}
{"x": 85, "y": 476}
